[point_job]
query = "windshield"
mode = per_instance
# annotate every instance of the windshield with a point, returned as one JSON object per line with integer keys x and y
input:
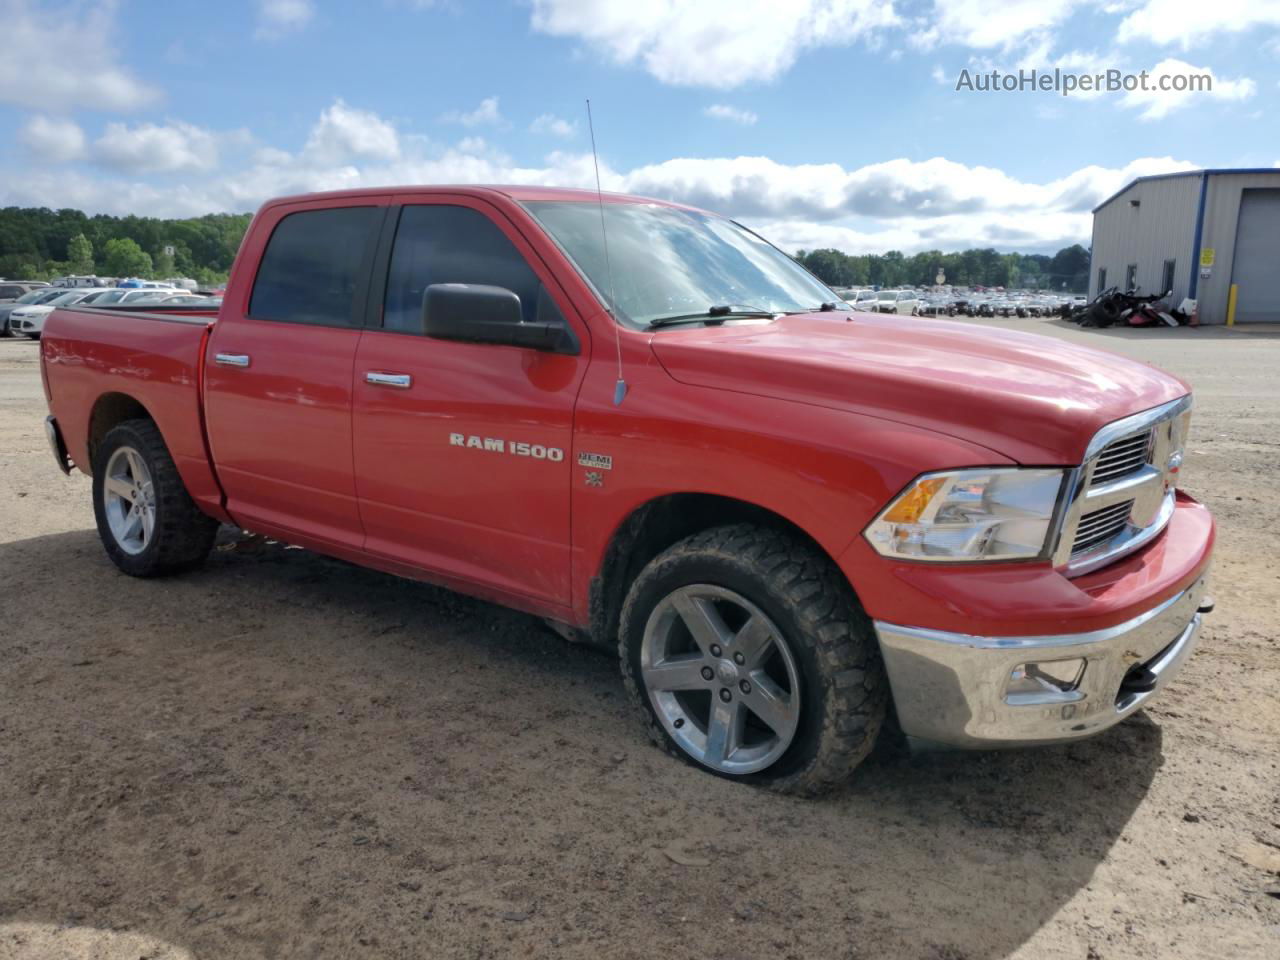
{"x": 67, "y": 298}
{"x": 867, "y": 295}
{"x": 32, "y": 297}
{"x": 667, "y": 262}
{"x": 111, "y": 296}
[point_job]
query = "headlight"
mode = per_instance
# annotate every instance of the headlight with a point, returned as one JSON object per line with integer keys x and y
{"x": 996, "y": 514}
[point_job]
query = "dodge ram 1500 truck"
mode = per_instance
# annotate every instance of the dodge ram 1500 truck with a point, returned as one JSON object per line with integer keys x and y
{"x": 647, "y": 425}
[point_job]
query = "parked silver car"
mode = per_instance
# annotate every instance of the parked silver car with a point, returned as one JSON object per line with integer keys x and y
{"x": 897, "y": 301}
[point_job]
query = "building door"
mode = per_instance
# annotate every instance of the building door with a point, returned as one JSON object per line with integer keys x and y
{"x": 1256, "y": 263}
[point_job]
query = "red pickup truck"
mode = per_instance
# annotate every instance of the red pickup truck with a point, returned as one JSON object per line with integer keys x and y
{"x": 646, "y": 424}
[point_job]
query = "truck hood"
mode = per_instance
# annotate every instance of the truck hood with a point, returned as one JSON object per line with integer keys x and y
{"x": 1034, "y": 399}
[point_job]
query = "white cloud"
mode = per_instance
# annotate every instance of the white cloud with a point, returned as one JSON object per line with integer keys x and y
{"x": 712, "y": 43}
{"x": 974, "y": 23}
{"x": 156, "y": 148}
{"x": 278, "y": 17}
{"x": 1156, "y": 104}
{"x": 486, "y": 114}
{"x": 63, "y": 58}
{"x": 898, "y": 204}
{"x": 556, "y": 126}
{"x": 52, "y": 139}
{"x": 1186, "y": 23}
{"x": 344, "y": 134}
{"x": 721, "y": 111}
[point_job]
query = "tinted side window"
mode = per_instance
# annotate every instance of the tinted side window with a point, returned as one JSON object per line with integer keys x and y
{"x": 12, "y": 291}
{"x": 444, "y": 244}
{"x": 313, "y": 266}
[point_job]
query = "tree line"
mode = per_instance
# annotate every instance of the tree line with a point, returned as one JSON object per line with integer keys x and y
{"x": 1068, "y": 269}
{"x": 37, "y": 243}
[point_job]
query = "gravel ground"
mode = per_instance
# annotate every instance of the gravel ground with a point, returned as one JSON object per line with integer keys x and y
{"x": 284, "y": 756}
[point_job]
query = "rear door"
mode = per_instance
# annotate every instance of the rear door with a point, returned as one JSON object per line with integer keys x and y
{"x": 462, "y": 449}
{"x": 278, "y": 372}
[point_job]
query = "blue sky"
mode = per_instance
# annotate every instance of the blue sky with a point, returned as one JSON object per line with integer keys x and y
{"x": 819, "y": 122}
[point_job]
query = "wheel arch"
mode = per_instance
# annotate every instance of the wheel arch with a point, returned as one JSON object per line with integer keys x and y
{"x": 110, "y": 410}
{"x": 654, "y": 526}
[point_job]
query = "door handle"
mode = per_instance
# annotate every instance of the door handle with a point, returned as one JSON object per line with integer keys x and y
{"x": 401, "y": 380}
{"x": 231, "y": 359}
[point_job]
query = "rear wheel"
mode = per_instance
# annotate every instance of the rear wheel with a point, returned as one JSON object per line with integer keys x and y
{"x": 147, "y": 521}
{"x": 749, "y": 656}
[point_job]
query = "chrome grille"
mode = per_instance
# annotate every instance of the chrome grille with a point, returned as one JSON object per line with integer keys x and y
{"x": 1122, "y": 495}
{"x": 1122, "y": 457}
{"x": 1101, "y": 525}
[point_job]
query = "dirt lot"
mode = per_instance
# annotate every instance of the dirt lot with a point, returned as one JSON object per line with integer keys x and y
{"x": 284, "y": 756}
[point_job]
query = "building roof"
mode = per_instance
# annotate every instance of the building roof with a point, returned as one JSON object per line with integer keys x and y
{"x": 1207, "y": 172}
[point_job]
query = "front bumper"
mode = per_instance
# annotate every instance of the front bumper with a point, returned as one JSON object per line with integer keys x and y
{"x": 954, "y": 688}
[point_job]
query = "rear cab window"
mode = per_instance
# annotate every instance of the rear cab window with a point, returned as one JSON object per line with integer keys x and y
{"x": 315, "y": 265}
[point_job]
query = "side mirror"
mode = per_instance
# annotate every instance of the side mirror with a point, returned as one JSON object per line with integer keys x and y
{"x": 478, "y": 313}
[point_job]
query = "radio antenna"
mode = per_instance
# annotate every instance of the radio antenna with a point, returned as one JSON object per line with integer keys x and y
{"x": 620, "y": 388}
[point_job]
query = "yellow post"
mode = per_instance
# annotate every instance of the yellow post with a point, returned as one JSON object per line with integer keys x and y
{"x": 1231, "y": 305}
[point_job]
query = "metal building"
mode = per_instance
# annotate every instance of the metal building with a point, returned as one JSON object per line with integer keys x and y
{"x": 1211, "y": 235}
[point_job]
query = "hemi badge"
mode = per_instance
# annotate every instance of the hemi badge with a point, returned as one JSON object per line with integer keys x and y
{"x": 596, "y": 461}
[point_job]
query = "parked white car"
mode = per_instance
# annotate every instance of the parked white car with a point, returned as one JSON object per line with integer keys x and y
{"x": 897, "y": 301}
{"x": 861, "y": 299}
{"x": 29, "y": 320}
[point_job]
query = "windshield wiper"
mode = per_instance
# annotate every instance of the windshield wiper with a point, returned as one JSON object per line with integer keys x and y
{"x": 716, "y": 314}
{"x": 826, "y": 307}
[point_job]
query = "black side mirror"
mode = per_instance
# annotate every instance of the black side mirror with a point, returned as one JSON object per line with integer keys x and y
{"x": 478, "y": 313}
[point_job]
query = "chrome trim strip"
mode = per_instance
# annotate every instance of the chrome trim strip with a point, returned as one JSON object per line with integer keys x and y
{"x": 1104, "y": 635}
{"x": 1139, "y": 421}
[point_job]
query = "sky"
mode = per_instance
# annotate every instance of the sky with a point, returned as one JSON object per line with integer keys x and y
{"x": 816, "y": 122}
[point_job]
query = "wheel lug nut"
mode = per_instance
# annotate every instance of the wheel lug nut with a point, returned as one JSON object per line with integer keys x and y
{"x": 715, "y": 649}
{"x": 739, "y": 659}
{"x": 744, "y": 687}
{"x": 707, "y": 673}
{"x": 678, "y": 722}
{"x": 725, "y": 695}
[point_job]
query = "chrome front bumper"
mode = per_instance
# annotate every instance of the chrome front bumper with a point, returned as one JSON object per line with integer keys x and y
{"x": 954, "y": 688}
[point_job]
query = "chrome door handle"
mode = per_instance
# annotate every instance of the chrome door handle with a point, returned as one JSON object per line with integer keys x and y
{"x": 232, "y": 359}
{"x": 401, "y": 380}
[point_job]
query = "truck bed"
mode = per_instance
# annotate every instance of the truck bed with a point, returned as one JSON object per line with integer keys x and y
{"x": 95, "y": 359}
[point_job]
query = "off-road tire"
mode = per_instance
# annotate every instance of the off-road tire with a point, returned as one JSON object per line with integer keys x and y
{"x": 845, "y": 692}
{"x": 183, "y": 536}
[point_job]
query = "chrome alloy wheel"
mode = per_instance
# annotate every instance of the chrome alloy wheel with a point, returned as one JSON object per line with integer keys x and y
{"x": 721, "y": 678}
{"x": 129, "y": 497}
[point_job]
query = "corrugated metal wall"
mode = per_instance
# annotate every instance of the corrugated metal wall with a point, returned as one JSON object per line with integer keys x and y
{"x": 1221, "y": 217}
{"x": 1160, "y": 228}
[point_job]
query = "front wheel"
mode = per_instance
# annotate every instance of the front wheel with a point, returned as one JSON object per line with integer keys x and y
{"x": 749, "y": 656}
{"x": 147, "y": 521}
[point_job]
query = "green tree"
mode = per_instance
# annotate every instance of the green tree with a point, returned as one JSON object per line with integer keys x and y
{"x": 80, "y": 254}
{"x": 126, "y": 259}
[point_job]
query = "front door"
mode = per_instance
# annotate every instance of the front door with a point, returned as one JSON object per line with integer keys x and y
{"x": 462, "y": 449}
{"x": 278, "y": 374}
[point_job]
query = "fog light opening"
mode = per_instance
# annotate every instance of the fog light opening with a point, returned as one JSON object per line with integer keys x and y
{"x": 1045, "y": 681}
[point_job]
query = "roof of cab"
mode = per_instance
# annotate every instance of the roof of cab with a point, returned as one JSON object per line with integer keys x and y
{"x": 515, "y": 192}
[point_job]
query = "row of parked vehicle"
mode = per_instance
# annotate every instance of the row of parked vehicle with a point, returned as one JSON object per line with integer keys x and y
{"x": 25, "y": 316}
{"x": 930, "y": 303}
